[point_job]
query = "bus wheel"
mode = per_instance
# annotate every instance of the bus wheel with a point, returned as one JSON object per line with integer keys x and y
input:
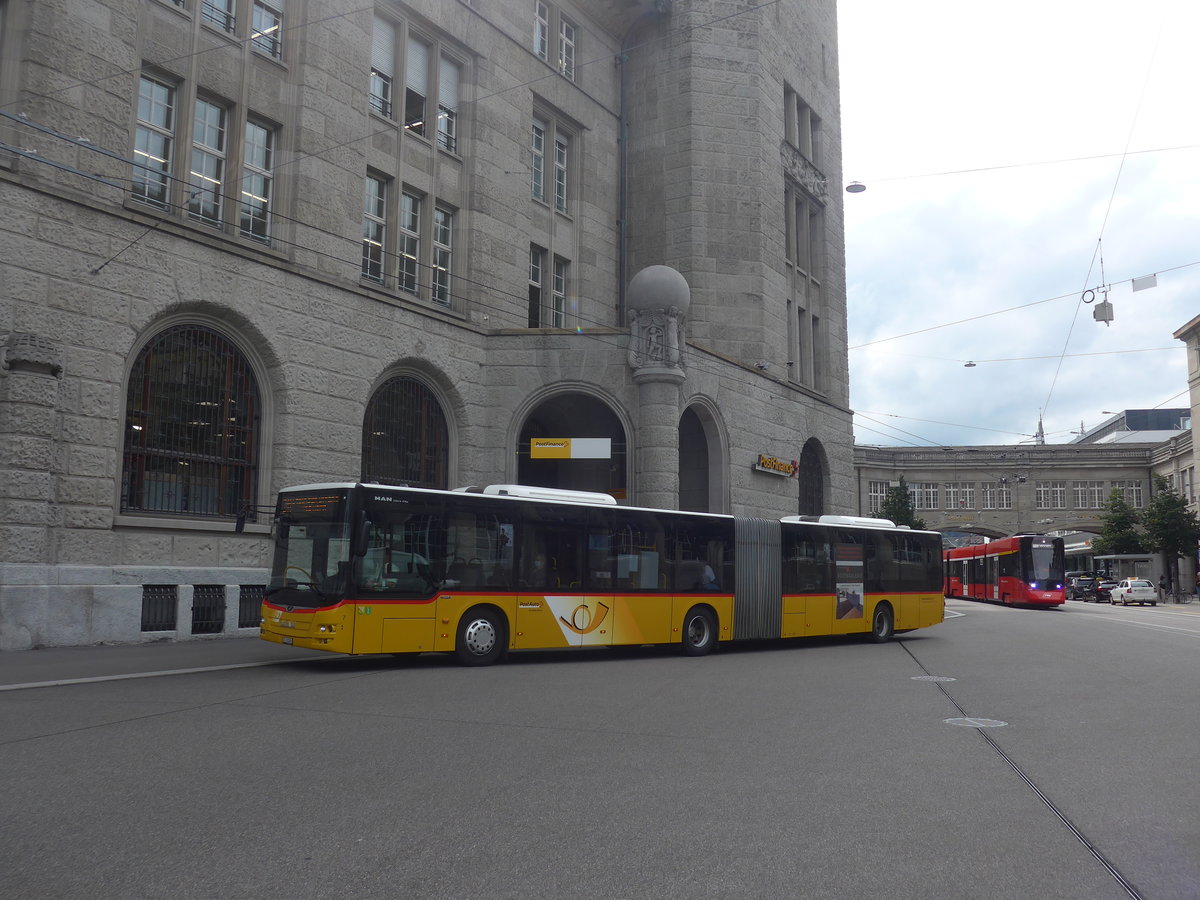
{"x": 699, "y": 631}
{"x": 883, "y": 624}
{"x": 481, "y": 637}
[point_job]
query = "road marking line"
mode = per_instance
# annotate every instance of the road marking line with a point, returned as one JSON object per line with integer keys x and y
{"x": 93, "y": 679}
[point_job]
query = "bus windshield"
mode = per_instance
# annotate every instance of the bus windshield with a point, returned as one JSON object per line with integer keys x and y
{"x": 312, "y": 552}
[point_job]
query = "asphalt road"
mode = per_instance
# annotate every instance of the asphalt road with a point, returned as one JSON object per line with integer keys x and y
{"x": 823, "y": 769}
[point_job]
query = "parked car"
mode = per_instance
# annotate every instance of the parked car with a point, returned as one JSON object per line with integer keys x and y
{"x": 1104, "y": 590}
{"x": 1134, "y": 590}
{"x": 1082, "y": 587}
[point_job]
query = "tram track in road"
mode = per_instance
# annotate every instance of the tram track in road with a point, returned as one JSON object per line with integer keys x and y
{"x": 1058, "y": 813}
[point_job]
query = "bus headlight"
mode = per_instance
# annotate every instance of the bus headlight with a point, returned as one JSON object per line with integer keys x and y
{"x": 1033, "y": 586}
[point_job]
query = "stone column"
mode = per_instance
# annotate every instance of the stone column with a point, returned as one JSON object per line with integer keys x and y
{"x": 658, "y": 439}
{"x": 30, "y": 367}
{"x": 658, "y": 299}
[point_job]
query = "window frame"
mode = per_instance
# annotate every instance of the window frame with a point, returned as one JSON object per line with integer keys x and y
{"x": 265, "y": 171}
{"x": 267, "y": 41}
{"x": 560, "y": 279}
{"x": 442, "y": 256}
{"x": 562, "y": 172}
{"x": 375, "y": 230}
{"x": 537, "y": 284}
{"x": 217, "y": 154}
{"x": 408, "y": 231}
{"x": 568, "y": 47}
{"x": 239, "y": 369}
{"x": 541, "y": 30}
{"x": 168, "y": 134}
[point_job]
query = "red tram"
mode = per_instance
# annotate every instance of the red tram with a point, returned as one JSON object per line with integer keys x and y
{"x": 1023, "y": 570}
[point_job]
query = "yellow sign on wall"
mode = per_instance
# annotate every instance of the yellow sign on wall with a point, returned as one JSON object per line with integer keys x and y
{"x": 570, "y": 448}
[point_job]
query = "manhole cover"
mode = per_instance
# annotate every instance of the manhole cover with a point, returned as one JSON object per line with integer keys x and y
{"x": 933, "y": 678}
{"x": 972, "y": 722}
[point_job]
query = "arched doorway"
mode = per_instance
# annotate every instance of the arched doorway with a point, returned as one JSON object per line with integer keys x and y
{"x": 693, "y": 463}
{"x": 702, "y": 474}
{"x": 811, "y": 476}
{"x": 582, "y": 461}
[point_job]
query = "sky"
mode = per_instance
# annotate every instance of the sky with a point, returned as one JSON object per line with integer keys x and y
{"x": 1017, "y": 157}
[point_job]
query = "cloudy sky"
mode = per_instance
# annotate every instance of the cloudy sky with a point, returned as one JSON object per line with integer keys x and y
{"x": 1016, "y": 157}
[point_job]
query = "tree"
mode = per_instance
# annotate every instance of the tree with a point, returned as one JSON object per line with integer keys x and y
{"x": 898, "y": 506}
{"x": 1119, "y": 533}
{"x": 1171, "y": 528}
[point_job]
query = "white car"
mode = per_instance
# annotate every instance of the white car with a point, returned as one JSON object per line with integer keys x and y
{"x": 1134, "y": 590}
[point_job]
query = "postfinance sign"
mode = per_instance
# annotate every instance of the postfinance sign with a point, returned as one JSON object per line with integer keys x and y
{"x": 570, "y": 448}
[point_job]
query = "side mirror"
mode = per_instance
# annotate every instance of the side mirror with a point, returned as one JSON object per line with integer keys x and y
{"x": 361, "y": 535}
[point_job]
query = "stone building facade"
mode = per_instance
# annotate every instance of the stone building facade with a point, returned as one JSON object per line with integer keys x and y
{"x": 248, "y": 244}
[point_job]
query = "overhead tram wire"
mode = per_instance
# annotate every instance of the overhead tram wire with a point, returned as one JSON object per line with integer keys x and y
{"x": 1024, "y": 165}
{"x": 669, "y": 34}
{"x": 183, "y": 57}
{"x": 866, "y": 416}
{"x": 950, "y": 424}
{"x": 696, "y": 360}
{"x": 997, "y": 312}
{"x": 1096, "y": 254}
{"x": 860, "y": 427}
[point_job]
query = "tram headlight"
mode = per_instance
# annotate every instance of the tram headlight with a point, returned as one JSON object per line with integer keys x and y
{"x": 1033, "y": 585}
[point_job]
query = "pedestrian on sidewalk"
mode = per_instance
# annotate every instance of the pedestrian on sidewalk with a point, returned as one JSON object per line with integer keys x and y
{"x": 1162, "y": 587}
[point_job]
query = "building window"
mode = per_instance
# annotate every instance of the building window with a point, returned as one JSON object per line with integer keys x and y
{"x": 154, "y": 142}
{"x": 416, "y": 85}
{"x": 997, "y": 496}
{"x": 410, "y": 242}
{"x": 448, "y": 78}
{"x": 877, "y": 492}
{"x": 541, "y": 30}
{"x": 924, "y": 495}
{"x": 443, "y": 233}
{"x": 802, "y": 127}
{"x": 804, "y": 242}
{"x": 218, "y": 13}
{"x": 208, "y": 164}
{"x": 383, "y": 66}
{"x": 374, "y": 228}
{"x": 1051, "y": 495}
{"x": 558, "y": 297}
{"x": 1089, "y": 494}
{"x": 191, "y": 427}
{"x": 561, "y": 157}
{"x": 567, "y": 33}
{"x": 537, "y": 275}
{"x": 257, "y": 181}
{"x": 538, "y": 176}
{"x": 1131, "y": 490}
{"x": 405, "y": 439}
{"x": 266, "y": 35}
{"x": 959, "y": 495}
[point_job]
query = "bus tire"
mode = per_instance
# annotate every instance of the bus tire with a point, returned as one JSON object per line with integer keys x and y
{"x": 482, "y": 637}
{"x": 883, "y": 623}
{"x": 699, "y": 631}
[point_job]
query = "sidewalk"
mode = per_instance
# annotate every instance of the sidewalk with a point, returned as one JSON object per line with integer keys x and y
{"x": 65, "y": 664}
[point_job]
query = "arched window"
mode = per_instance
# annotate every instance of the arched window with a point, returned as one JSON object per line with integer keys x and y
{"x": 405, "y": 438}
{"x": 191, "y": 427}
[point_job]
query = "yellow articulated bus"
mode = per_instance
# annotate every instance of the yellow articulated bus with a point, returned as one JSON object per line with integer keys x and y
{"x": 368, "y": 568}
